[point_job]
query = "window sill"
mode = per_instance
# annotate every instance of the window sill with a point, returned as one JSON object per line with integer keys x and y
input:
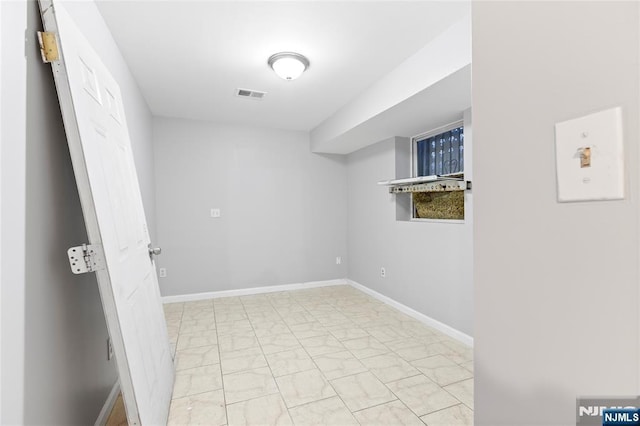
{"x": 447, "y": 221}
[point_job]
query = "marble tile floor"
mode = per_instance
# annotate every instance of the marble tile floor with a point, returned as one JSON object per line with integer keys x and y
{"x": 323, "y": 356}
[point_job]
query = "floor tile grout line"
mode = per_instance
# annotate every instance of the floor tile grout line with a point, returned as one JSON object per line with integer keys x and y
{"x": 255, "y": 397}
{"x": 452, "y": 383}
{"x": 224, "y": 393}
{"x": 446, "y": 408}
{"x": 457, "y": 399}
{"x": 199, "y": 393}
{"x": 175, "y": 356}
{"x": 313, "y": 402}
{"x": 391, "y": 381}
{"x": 391, "y": 390}
{"x": 382, "y": 403}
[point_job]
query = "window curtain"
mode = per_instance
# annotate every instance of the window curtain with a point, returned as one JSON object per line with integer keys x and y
{"x": 441, "y": 154}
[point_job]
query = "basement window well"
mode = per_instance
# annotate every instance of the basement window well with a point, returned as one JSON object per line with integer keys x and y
{"x": 435, "y": 192}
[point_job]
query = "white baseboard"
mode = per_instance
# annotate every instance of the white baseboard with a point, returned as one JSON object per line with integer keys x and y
{"x": 249, "y": 291}
{"x": 444, "y": 328}
{"x": 108, "y": 405}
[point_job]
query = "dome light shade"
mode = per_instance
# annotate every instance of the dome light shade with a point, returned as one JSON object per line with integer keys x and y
{"x": 288, "y": 65}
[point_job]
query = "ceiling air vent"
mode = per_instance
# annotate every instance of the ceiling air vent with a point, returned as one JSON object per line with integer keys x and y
{"x": 250, "y": 94}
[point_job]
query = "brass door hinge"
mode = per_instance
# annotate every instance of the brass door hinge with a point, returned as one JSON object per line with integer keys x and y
{"x": 48, "y": 46}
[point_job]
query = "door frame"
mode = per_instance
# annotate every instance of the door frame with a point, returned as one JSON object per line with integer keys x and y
{"x": 13, "y": 116}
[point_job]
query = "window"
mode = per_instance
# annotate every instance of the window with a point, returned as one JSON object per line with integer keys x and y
{"x": 440, "y": 152}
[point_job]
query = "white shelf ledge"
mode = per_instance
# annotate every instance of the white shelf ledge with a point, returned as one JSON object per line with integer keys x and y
{"x": 427, "y": 184}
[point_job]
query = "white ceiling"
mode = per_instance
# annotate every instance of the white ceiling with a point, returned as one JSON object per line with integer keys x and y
{"x": 190, "y": 57}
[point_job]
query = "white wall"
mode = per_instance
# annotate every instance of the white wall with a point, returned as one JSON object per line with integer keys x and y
{"x": 556, "y": 284}
{"x": 283, "y": 208}
{"x": 12, "y": 228}
{"x": 428, "y": 265}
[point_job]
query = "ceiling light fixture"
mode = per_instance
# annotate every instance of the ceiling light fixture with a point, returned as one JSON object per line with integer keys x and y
{"x": 288, "y": 65}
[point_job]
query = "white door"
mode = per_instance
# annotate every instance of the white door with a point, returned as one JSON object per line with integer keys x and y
{"x": 107, "y": 182}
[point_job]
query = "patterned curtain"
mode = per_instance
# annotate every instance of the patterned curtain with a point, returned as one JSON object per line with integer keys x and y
{"x": 441, "y": 154}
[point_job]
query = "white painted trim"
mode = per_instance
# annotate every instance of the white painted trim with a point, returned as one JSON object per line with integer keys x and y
{"x": 13, "y": 114}
{"x": 1, "y": 117}
{"x": 444, "y": 328}
{"x": 108, "y": 405}
{"x": 250, "y": 291}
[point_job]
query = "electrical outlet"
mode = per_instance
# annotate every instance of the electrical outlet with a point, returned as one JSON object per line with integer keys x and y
{"x": 338, "y": 260}
{"x": 383, "y": 273}
{"x": 109, "y": 349}
{"x": 215, "y": 213}
{"x": 163, "y": 272}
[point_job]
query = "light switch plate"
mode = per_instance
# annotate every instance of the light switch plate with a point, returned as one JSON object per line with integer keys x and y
{"x": 603, "y": 179}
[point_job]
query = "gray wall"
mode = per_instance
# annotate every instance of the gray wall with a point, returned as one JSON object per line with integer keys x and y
{"x": 283, "y": 208}
{"x": 67, "y": 376}
{"x": 556, "y": 284}
{"x": 428, "y": 265}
